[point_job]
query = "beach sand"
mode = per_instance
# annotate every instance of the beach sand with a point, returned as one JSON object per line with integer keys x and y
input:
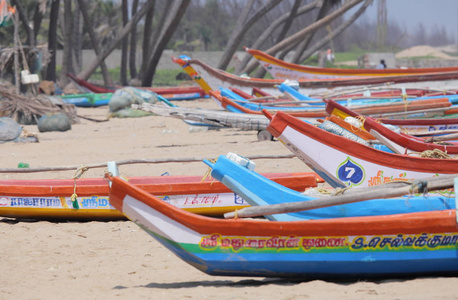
{"x": 106, "y": 260}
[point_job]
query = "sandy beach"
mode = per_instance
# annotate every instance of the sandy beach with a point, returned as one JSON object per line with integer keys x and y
{"x": 106, "y": 260}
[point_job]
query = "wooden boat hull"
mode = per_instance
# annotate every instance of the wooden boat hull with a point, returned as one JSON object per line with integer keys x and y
{"x": 87, "y": 100}
{"x": 51, "y": 199}
{"x": 258, "y": 190}
{"x": 397, "y": 142}
{"x": 342, "y": 162}
{"x": 412, "y": 125}
{"x": 302, "y": 112}
{"x": 210, "y": 78}
{"x": 280, "y": 69}
{"x": 170, "y": 93}
{"x": 417, "y": 244}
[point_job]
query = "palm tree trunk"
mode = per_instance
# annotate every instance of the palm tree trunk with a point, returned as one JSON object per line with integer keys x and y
{"x": 133, "y": 44}
{"x": 302, "y": 46}
{"x": 293, "y": 39}
{"x": 52, "y": 40}
{"x": 126, "y": 30}
{"x": 67, "y": 62}
{"x": 95, "y": 43}
{"x": 25, "y": 21}
{"x": 147, "y": 80}
{"x": 77, "y": 39}
{"x": 243, "y": 25}
{"x": 268, "y": 32}
{"x": 281, "y": 36}
{"x": 337, "y": 31}
{"x": 125, "y": 44}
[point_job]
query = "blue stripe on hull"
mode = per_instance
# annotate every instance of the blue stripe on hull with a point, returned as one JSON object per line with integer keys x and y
{"x": 361, "y": 264}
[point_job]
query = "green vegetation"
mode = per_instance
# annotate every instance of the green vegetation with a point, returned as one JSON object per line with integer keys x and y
{"x": 454, "y": 53}
{"x": 348, "y": 56}
{"x": 167, "y": 78}
{"x": 417, "y": 58}
{"x": 161, "y": 78}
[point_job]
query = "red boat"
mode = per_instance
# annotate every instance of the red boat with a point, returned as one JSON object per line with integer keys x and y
{"x": 170, "y": 93}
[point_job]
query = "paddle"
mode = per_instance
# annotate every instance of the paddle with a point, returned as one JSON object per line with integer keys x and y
{"x": 411, "y": 112}
{"x": 356, "y": 195}
{"x": 452, "y": 135}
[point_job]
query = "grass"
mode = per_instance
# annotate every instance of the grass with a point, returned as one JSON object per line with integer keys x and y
{"x": 161, "y": 78}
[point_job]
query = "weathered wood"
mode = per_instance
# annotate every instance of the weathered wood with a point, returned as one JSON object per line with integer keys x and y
{"x": 450, "y": 135}
{"x": 377, "y": 192}
{"x": 429, "y": 111}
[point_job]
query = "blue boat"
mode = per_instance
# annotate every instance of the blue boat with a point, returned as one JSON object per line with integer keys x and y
{"x": 388, "y": 246}
{"x": 258, "y": 190}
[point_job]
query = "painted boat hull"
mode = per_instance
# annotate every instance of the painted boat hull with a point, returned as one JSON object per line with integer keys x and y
{"x": 302, "y": 112}
{"x": 283, "y": 70}
{"x": 342, "y": 162}
{"x": 417, "y": 244}
{"x": 51, "y": 199}
{"x": 397, "y": 142}
{"x": 87, "y": 100}
{"x": 210, "y": 78}
{"x": 170, "y": 93}
{"x": 413, "y": 125}
{"x": 258, "y": 190}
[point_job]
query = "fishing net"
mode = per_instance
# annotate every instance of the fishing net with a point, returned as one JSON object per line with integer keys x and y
{"x": 28, "y": 109}
{"x": 336, "y": 129}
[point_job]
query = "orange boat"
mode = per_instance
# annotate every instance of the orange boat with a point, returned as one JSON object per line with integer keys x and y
{"x": 87, "y": 199}
{"x": 280, "y": 69}
{"x": 304, "y": 112}
{"x": 210, "y": 78}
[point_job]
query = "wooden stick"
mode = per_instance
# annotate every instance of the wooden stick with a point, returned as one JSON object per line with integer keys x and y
{"x": 264, "y": 98}
{"x": 132, "y": 161}
{"x": 351, "y": 90}
{"x": 410, "y": 112}
{"x": 446, "y": 137}
{"x": 377, "y": 192}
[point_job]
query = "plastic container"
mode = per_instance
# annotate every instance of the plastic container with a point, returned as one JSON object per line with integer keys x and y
{"x": 243, "y": 161}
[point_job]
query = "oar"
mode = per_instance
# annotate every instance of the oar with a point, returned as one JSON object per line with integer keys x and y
{"x": 447, "y": 137}
{"x": 377, "y": 192}
{"x": 410, "y": 112}
{"x": 343, "y": 91}
{"x": 264, "y": 98}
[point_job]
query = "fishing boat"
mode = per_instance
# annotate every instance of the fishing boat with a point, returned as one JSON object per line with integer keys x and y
{"x": 409, "y": 125}
{"x": 87, "y": 198}
{"x": 210, "y": 78}
{"x": 343, "y": 162}
{"x": 170, "y": 93}
{"x": 441, "y": 105}
{"x": 402, "y": 143}
{"x": 300, "y": 101}
{"x": 414, "y": 244}
{"x": 280, "y": 69}
{"x": 87, "y": 99}
{"x": 237, "y": 173}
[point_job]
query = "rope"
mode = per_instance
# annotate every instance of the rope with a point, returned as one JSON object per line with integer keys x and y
{"x": 421, "y": 186}
{"x": 78, "y": 174}
{"x": 133, "y": 161}
{"x": 436, "y": 153}
{"x": 323, "y": 191}
{"x": 406, "y": 103}
{"x": 340, "y": 191}
{"x": 209, "y": 170}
